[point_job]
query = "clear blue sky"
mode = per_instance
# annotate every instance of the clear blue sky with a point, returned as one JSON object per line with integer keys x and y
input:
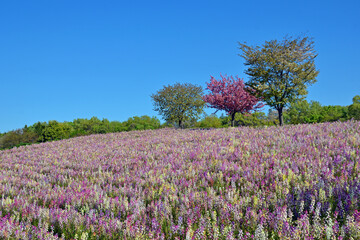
{"x": 61, "y": 60}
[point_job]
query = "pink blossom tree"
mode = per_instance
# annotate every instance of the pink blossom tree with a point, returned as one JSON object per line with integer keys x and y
{"x": 231, "y": 95}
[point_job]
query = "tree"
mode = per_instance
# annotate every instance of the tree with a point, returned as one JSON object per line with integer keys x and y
{"x": 142, "y": 123}
{"x": 231, "y": 95}
{"x": 18, "y": 137}
{"x": 280, "y": 71}
{"x": 334, "y": 113}
{"x": 354, "y": 109}
{"x": 55, "y": 130}
{"x": 211, "y": 121}
{"x": 304, "y": 112}
{"x": 179, "y": 102}
{"x": 356, "y": 99}
{"x": 255, "y": 119}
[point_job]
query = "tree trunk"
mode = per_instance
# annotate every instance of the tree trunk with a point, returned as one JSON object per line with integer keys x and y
{"x": 180, "y": 124}
{"x": 233, "y": 119}
{"x": 281, "y": 119}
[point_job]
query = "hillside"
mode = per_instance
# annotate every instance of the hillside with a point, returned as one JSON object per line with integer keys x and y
{"x": 287, "y": 182}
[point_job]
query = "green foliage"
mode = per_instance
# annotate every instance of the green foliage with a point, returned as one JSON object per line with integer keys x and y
{"x": 179, "y": 102}
{"x": 116, "y": 126}
{"x": 356, "y": 99}
{"x": 38, "y": 128}
{"x": 90, "y": 126}
{"x": 354, "y": 109}
{"x": 256, "y": 119}
{"x": 334, "y": 113}
{"x": 17, "y": 138}
{"x": 94, "y": 126}
{"x": 189, "y": 123}
{"x": 142, "y": 123}
{"x": 211, "y": 121}
{"x": 55, "y": 131}
{"x": 303, "y": 112}
{"x": 280, "y": 71}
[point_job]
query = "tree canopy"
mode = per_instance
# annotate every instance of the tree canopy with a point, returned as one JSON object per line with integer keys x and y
{"x": 179, "y": 102}
{"x": 280, "y": 71}
{"x": 354, "y": 109}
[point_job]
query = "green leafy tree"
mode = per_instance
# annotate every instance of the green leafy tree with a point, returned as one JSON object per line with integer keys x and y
{"x": 356, "y": 99}
{"x": 55, "y": 131}
{"x": 304, "y": 112}
{"x": 280, "y": 71}
{"x": 354, "y": 109}
{"x": 179, "y": 102}
{"x": 256, "y": 119}
{"x": 38, "y": 129}
{"x": 116, "y": 126}
{"x": 81, "y": 127}
{"x": 142, "y": 123}
{"x": 209, "y": 121}
{"x": 101, "y": 126}
{"x": 18, "y": 137}
{"x": 90, "y": 126}
{"x": 334, "y": 113}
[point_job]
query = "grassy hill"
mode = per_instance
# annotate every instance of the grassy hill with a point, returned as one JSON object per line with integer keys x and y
{"x": 294, "y": 182}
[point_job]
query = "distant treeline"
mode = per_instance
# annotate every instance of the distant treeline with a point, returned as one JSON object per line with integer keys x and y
{"x": 298, "y": 113}
{"x": 54, "y": 130}
{"x": 314, "y": 112}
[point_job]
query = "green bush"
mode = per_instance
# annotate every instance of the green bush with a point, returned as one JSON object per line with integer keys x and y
{"x": 305, "y": 112}
{"x": 141, "y": 123}
{"x": 116, "y": 126}
{"x": 354, "y": 109}
{"x": 256, "y": 119}
{"x": 90, "y": 126}
{"x": 334, "y": 113}
{"x": 17, "y": 138}
{"x": 55, "y": 131}
{"x": 211, "y": 121}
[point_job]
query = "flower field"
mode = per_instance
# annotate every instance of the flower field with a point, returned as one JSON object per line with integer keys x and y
{"x": 293, "y": 182}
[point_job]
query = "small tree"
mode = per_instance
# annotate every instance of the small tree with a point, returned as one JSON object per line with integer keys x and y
{"x": 231, "y": 95}
{"x": 179, "y": 102}
{"x": 354, "y": 109}
{"x": 280, "y": 71}
{"x": 303, "y": 111}
{"x": 211, "y": 121}
{"x": 55, "y": 130}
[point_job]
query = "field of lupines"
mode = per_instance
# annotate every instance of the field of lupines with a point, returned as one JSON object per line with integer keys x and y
{"x": 293, "y": 182}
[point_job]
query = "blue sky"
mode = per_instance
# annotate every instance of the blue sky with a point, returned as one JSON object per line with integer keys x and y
{"x": 61, "y": 60}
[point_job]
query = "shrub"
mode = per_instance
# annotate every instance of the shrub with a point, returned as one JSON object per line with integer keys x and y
{"x": 211, "y": 121}
{"x": 55, "y": 131}
{"x": 255, "y": 119}
{"x": 354, "y": 109}
{"x": 141, "y": 123}
{"x": 18, "y": 137}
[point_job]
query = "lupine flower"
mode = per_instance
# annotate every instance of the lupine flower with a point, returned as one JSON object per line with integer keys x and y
{"x": 295, "y": 182}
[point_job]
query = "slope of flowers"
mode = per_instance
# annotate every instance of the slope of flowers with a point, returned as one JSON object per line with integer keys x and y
{"x": 294, "y": 182}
